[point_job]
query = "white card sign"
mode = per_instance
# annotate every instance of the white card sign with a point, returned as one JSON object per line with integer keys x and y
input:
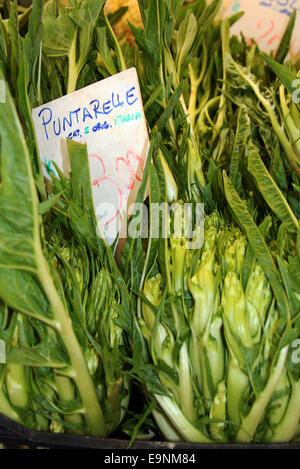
{"x": 109, "y": 117}
{"x": 265, "y": 21}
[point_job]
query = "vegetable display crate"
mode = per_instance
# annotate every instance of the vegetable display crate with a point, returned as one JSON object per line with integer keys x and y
{"x": 16, "y": 436}
{"x": 205, "y": 329}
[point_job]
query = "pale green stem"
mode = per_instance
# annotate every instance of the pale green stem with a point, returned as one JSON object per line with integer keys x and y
{"x": 190, "y": 118}
{"x": 193, "y": 95}
{"x": 204, "y": 114}
{"x": 119, "y": 52}
{"x": 187, "y": 430}
{"x": 195, "y": 83}
{"x": 218, "y": 412}
{"x": 222, "y": 105}
{"x": 195, "y": 358}
{"x": 237, "y": 383}
{"x": 288, "y": 426}
{"x": 251, "y": 422}
{"x": 16, "y": 385}
{"x": 66, "y": 393}
{"x": 167, "y": 267}
{"x": 293, "y": 130}
{"x": 170, "y": 64}
{"x": 91, "y": 408}
{"x": 186, "y": 385}
{"x": 39, "y": 94}
{"x": 73, "y": 72}
{"x": 165, "y": 427}
{"x": 6, "y": 408}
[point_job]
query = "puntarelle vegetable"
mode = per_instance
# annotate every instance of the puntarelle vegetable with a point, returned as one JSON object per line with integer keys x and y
{"x": 207, "y": 336}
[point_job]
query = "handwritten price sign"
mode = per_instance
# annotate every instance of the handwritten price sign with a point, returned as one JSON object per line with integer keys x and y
{"x": 265, "y": 22}
{"x": 108, "y": 116}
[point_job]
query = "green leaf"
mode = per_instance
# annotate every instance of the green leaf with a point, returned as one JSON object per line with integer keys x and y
{"x": 148, "y": 375}
{"x": 102, "y": 45}
{"x": 36, "y": 356}
{"x": 54, "y": 78}
{"x": 185, "y": 39}
{"x": 32, "y": 42}
{"x": 209, "y": 13}
{"x": 294, "y": 304}
{"x": 80, "y": 176}
{"x": 19, "y": 230}
{"x": 21, "y": 251}
{"x": 4, "y": 47}
{"x": 46, "y": 206}
{"x": 257, "y": 243}
{"x": 50, "y": 9}
{"x": 26, "y": 110}
{"x": 165, "y": 116}
{"x": 85, "y": 19}
{"x": 150, "y": 39}
{"x": 153, "y": 97}
{"x": 298, "y": 242}
{"x": 88, "y": 13}
{"x": 231, "y": 20}
{"x": 276, "y": 168}
{"x": 241, "y": 136}
{"x": 286, "y": 39}
{"x": 270, "y": 191}
{"x": 13, "y": 33}
{"x": 58, "y": 35}
{"x": 117, "y": 15}
{"x": 7, "y": 332}
{"x": 21, "y": 292}
{"x": 142, "y": 419}
{"x": 288, "y": 77}
{"x": 81, "y": 210}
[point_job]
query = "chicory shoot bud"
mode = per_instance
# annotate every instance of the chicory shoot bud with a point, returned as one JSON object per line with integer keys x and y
{"x": 171, "y": 186}
{"x": 203, "y": 288}
{"x": 17, "y": 384}
{"x": 210, "y": 237}
{"x": 235, "y": 254}
{"x": 235, "y": 317}
{"x": 114, "y": 330}
{"x": 195, "y": 172}
{"x": 218, "y": 412}
{"x": 237, "y": 386}
{"x": 153, "y": 293}
{"x": 56, "y": 426}
{"x": 178, "y": 253}
{"x": 92, "y": 359}
{"x": 215, "y": 349}
{"x": 258, "y": 299}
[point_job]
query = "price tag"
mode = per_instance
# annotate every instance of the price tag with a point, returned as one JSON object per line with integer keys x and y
{"x": 109, "y": 117}
{"x": 265, "y": 21}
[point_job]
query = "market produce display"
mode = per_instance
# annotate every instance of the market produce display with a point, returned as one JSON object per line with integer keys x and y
{"x": 205, "y": 339}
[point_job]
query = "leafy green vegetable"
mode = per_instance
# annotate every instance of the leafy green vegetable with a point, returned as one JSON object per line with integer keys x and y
{"x": 207, "y": 335}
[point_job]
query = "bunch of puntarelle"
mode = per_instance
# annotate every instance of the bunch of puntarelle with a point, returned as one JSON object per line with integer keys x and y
{"x": 207, "y": 338}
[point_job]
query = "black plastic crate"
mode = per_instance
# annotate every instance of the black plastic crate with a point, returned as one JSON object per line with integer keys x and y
{"x": 15, "y": 436}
